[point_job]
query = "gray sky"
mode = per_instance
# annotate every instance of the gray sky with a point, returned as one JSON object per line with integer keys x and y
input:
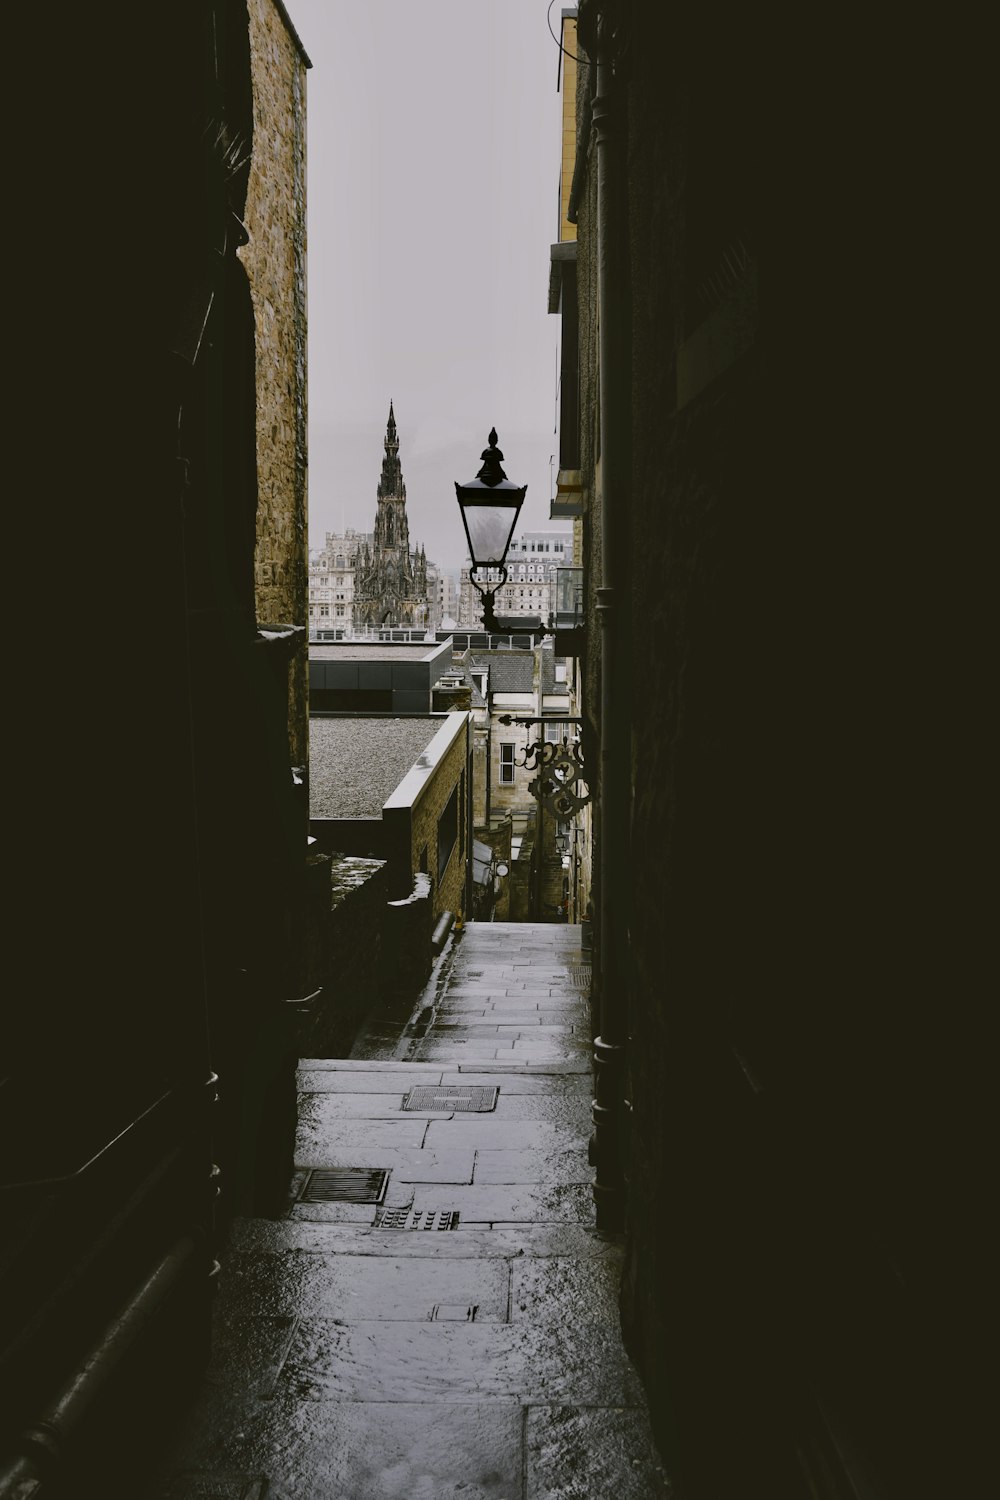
{"x": 433, "y": 170}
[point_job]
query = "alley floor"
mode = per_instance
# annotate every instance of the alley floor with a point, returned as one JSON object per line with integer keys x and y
{"x": 458, "y": 1339}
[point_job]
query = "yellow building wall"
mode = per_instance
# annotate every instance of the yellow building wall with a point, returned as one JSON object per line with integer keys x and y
{"x": 567, "y": 231}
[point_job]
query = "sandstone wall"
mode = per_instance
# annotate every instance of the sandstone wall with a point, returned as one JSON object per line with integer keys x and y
{"x": 449, "y": 891}
{"x": 275, "y": 259}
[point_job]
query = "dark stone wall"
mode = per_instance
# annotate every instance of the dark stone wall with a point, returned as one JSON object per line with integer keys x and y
{"x": 345, "y": 942}
{"x": 800, "y": 883}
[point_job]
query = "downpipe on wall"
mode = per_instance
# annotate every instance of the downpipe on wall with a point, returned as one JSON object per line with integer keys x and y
{"x": 610, "y": 127}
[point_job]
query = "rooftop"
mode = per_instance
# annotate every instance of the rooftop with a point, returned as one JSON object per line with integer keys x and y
{"x": 510, "y": 671}
{"x": 374, "y": 651}
{"x": 356, "y": 764}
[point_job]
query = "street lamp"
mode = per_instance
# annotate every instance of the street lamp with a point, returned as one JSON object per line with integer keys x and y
{"x": 490, "y": 505}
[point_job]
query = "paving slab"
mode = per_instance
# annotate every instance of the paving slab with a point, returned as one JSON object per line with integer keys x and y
{"x": 316, "y": 1136}
{"x": 531, "y": 1166}
{"x": 459, "y": 1362}
{"x": 557, "y": 1085}
{"x": 359, "y": 1104}
{"x": 579, "y": 1454}
{"x": 408, "y": 1165}
{"x": 551, "y": 1068}
{"x": 367, "y": 1065}
{"x": 488, "y": 1131}
{"x": 535, "y": 1240}
{"x": 559, "y": 1287}
{"x": 560, "y": 1203}
{"x": 316, "y": 1080}
{"x": 334, "y": 1450}
{"x": 352, "y": 1288}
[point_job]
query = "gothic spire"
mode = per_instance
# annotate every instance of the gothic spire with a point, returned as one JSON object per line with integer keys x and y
{"x": 391, "y": 482}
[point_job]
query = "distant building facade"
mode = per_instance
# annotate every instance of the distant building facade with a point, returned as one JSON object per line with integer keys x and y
{"x": 532, "y": 561}
{"x": 331, "y": 580}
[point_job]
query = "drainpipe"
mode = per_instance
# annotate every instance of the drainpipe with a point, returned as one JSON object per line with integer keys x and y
{"x": 470, "y": 817}
{"x": 602, "y": 39}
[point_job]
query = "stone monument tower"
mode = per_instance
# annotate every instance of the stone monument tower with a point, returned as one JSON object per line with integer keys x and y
{"x": 390, "y": 581}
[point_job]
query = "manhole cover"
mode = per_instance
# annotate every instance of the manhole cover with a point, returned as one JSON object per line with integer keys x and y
{"x": 474, "y": 1098}
{"x": 408, "y": 1218}
{"x": 579, "y": 979}
{"x": 344, "y": 1185}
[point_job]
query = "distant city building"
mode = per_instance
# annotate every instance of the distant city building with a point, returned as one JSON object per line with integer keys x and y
{"x": 341, "y": 606}
{"x": 444, "y": 594}
{"x": 331, "y": 581}
{"x": 532, "y": 560}
{"x": 390, "y": 585}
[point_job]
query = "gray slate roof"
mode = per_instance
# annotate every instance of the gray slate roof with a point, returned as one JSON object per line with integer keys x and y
{"x": 510, "y": 671}
{"x": 356, "y": 764}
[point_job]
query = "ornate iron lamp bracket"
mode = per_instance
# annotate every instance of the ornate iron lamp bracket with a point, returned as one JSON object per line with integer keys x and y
{"x": 561, "y": 784}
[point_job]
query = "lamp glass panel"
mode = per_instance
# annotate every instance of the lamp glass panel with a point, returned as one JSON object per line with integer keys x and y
{"x": 490, "y": 528}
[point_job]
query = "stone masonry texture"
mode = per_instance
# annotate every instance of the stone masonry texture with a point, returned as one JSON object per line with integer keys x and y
{"x": 449, "y": 892}
{"x": 275, "y": 260}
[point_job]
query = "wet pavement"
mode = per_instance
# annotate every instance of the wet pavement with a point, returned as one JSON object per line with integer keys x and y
{"x": 424, "y": 1362}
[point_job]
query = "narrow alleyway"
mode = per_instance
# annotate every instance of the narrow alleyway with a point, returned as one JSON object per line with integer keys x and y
{"x": 460, "y": 1338}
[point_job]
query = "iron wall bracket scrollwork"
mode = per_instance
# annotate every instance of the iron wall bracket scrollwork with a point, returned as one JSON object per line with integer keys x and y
{"x": 561, "y": 783}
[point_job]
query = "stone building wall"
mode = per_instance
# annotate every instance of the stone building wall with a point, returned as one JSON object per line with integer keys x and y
{"x": 775, "y": 1132}
{"x": 449, "y": 892}
{"x": 481, "y": 780}
{"x": 345, "y": 942}
{"x": 275, "y": 260}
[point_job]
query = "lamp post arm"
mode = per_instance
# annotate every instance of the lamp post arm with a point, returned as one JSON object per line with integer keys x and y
{"x": 548, "y": 719}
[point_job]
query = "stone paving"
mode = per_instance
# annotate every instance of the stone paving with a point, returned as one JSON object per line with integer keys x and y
{"x": 354, "y": 1362}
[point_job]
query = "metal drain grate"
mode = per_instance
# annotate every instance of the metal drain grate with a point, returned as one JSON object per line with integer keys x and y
{"x": 473, "y": 1098}
{"x": 579, "y": 978}
{"x": 408, "y": 1218}
{"x": 344, "y": 1185}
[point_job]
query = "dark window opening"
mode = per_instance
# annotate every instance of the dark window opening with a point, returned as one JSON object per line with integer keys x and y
{"x": 350, "y": 700}
{"x": 461, "y": 820}
{"x": 447, "y": 831}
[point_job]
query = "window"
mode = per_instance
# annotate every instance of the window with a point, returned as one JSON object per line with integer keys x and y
{"x": 340, "y": 610}
{"x": 461, "y": 819}
{"x": 447, "y": 831}
{"x": 324, "y": 609}
{"x": 553, "y": 733}
{"x": 506, "y": 765}
{"x": 560, "y": 667}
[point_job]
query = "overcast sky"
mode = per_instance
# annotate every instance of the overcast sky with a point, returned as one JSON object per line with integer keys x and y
{"x": 433, "y": 170}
